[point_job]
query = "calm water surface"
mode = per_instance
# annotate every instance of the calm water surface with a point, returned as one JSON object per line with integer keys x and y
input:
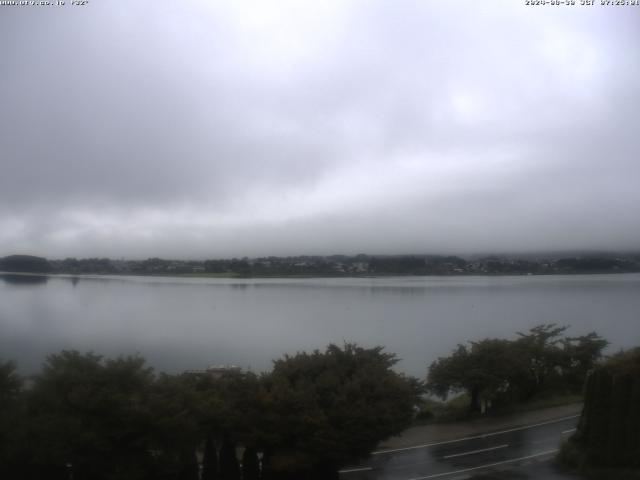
{"x": 184, "y": 323}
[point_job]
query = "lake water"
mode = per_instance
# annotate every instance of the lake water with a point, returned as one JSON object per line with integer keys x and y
{"x": 188, "y": 323}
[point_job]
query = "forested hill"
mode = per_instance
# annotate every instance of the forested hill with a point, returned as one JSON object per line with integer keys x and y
{"x": 25, "y": 263}
{"x": 333, "y": 265}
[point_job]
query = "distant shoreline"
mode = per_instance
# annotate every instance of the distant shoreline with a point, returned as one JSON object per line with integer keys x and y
{"x": 332, "y": 266}
{"x": 249, "y": 277}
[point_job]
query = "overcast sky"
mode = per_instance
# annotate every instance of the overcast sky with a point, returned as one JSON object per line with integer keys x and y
{"x": 209, "y": 129}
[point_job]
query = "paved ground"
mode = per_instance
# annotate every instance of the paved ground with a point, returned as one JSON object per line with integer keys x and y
{"x": 449, "y": 431}
{"x": 515, "y": 446}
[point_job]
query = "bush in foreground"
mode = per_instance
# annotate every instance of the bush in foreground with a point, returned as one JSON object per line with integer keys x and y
{"x": 608, "y": 434}
{"x": 92, "y": 418}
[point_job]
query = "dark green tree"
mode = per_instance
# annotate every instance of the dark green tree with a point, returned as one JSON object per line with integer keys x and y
{"x": 210, "y": 459}
{"x": 325, "y": 409}
{"x": 90, "y": 416}
{"x": 188, "y": 465}
{"x": 496, "y": 371}
{"x": 250, "y": 464}
{"x": 177, "y": 427}
{"x": 581, "y": 355}
{"x": 542, "y": 347}
{"x": 229, "y": 466}
{"x": 11, "y": 422}
{"x": 486, "y": 371}
{"x": 10, "y": 385}
{"x": 24, "y": 263}
{"x": 608, "y": 433}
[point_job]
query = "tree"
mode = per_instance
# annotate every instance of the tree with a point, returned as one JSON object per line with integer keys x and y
{"x": 24, "y": 263}
{"x": 11, "y": 421}
{"x": 90, "y": 416}
{"x": 177, "y": 427}
{"x": 541, "y": 346}
{"x": 505, "y": 371}
{"x": 325, "y": 409}
{"x": 486, "y": 371}
{"x": 448, "y": 374}
{"x": 250, "y": 464}
{"x": 229, "y": 466}
{"x": 210, "y": 460}
{"x": 188, "y": 465}
{"x": 581, "y": 355}
{"x": 608, "y": 433}
{"x": 10, "y": 384}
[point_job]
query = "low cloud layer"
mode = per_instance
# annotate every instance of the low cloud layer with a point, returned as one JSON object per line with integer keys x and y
{"x": 205, "y": 129}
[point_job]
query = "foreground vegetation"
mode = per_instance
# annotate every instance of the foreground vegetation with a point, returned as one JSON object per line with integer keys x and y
{"x": 86, "y": 417}
{"x": 607, "y": 440}
{"x": 500, "y": 374}
{"x": 541, "y": 368}
{"x": 456, "y": 408}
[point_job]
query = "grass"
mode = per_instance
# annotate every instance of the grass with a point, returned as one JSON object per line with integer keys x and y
{"x": 457, "y": 408}
{"x": 546, "y": 401}
{"x": 206, "y": 275}
{"x": 435, "y": 411}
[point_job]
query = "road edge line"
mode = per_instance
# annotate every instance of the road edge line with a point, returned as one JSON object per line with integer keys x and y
{"x": 489, "y": 465}
{"x": 475, "y": 437}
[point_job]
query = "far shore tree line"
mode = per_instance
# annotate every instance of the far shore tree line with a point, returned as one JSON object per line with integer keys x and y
{"x": 331, "y": 265}
{"x": 87, "y": 417}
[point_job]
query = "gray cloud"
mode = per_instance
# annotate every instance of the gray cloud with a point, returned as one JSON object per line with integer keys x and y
{"x": 201, "y": 129}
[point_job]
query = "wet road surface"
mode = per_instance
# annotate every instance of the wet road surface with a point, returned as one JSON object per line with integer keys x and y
{"x": 522, "y": 452}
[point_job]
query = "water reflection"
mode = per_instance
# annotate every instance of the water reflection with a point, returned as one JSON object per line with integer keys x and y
{"x": 18, "y": 279}
{"x": 188, "y": 323}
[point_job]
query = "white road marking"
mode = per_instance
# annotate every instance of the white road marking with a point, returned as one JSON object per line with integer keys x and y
{"x": 351, "y": 470}
{"x": 564, "y": 432}
{"x": 476, "y": 451}
{"x": 436, "y": 475}
{"x": 475, "y": 437}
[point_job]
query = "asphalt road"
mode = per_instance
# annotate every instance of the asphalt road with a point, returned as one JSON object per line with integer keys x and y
{"x": 491, "y": 455}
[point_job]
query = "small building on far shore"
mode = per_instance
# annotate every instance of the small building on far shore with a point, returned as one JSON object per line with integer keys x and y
{"x": 217, "y": 371}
